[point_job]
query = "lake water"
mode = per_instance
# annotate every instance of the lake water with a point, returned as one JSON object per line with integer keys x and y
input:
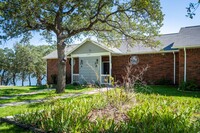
{"x": 33, "y": 82}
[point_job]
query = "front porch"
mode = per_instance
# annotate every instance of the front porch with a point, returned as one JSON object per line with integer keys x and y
{"x": 92, "y": 68}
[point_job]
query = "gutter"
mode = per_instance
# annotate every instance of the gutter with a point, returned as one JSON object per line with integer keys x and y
{"x": 194, "y": 46}
{"x": 185, "y": 64}
{"x": 155, "y": 52}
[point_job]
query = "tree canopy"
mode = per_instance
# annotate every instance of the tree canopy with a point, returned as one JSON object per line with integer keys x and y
{"x": 191, "y": 9}
{"x": 137, "y": 20}
{"x": 22, "y": 62}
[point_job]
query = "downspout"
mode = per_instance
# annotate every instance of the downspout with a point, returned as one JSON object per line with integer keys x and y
{"x": 185, "y": 64}
{"x": 174, "y": 68}
{"x": 72, "y": 71}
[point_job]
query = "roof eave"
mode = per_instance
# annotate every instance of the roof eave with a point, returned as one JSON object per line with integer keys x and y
{"x": 154, "y": 52}
{"x": 179, "y": 47}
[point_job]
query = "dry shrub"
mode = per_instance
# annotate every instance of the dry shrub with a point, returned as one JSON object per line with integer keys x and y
{"x": 133, "y": 77}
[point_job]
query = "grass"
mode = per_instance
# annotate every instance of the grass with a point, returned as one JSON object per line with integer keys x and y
{"x": 172, "y": 91}
{"x": 13, "y": 91}
{"x": 77, "y": 89}
{"x": 162, "y": 107}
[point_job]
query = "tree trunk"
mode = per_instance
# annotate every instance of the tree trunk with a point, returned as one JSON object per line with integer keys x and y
{"x": 2, "y": 77}
{"x": 14, "y": 77}
{"x": 61, "y": 83}
{"x": 39, "y": 80}
{"x": 23, "y": 78}
{"x": 29, "y": 79}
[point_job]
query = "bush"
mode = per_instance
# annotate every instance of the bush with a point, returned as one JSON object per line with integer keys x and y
{"x": 189, "y": 86}
{"x": 164, "y": 81}
{"x": 54, "y": 78}
{"x": 115, "y": 112}
{"x": 76, "y": 84}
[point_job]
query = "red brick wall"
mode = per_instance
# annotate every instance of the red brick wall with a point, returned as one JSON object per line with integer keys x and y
{"x": 105, "y": 58}
{"x": 76, "y": 66}
{"x": 181, "y": 65}
{"x": 193, "y": 65}
{"x": 177, "y": 68}
{"x": 52, "y": 65}
{"x": 160, "y": 66}
{"x": 52, "y": 68}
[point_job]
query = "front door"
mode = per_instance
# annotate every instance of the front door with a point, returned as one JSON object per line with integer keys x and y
{"x": 106, "y": 68}
{"x": 89, "y": 70}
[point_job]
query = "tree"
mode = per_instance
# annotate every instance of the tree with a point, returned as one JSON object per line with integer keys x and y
{"x": 6, "y": 66}
{"x": 138, "y": 20}
{"x": 192, "y": 9}
{"x": 40, "y": 64}
{"x": 24, "y": 59}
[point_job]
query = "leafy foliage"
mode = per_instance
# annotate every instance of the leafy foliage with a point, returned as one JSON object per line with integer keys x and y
{"x": 23, "y": 61}
{"x": 137, "y": 21}
{"x": 189, "y": 86}
{"x": 192, "y": 9}
{"x": 151, "y": 113}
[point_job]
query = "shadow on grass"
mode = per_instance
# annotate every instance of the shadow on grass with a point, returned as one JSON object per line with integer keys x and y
{"x": 41, "y": 95}
{"x": 12, "y": 90}
{"x": 10, "y": 128}
{"x": 8, "y": 92}
{"x": 74, "y": 87}
{"x": 38, "y": 87}
{"x": 168, "y": 91}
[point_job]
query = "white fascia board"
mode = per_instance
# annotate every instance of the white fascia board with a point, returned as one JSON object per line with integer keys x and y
{"x": 53, "y": 58}
{"x": 198, "y": 46}
{"x": 90, "y": 54}
{"x": 156, "y": 52}
{"x": 84, "y": 43}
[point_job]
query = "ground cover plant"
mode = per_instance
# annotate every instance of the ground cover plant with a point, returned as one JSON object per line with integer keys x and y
{"x": 12, "y": 91}
{"x": 117, "y": 111}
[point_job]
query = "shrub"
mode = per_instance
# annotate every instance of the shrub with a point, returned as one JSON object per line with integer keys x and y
{"x": 54, "y": 78}
{"x": 133, "y": 77}
{"x": 164, "y": 81}
{"x": 76, "y": 84}
{"x": 189, "y": 86}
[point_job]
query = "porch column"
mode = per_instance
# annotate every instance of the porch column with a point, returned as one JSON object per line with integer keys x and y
{"x": 100, "y": 61}
{"x": 72, "y": 70}
{"x": 110, "y": 63}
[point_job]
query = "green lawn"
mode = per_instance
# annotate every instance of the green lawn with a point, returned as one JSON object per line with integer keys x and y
{"x": 157, "y": 98}
{"x": 14, "y": 90}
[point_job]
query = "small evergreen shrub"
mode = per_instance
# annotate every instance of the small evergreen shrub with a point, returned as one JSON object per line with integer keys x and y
{"x": 189, "y": 86}
{"x": 54, "y": 78}
{"x": 76, "y": 84}
{"x": 164, "y": 81}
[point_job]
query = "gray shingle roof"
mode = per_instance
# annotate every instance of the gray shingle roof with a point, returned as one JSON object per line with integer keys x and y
{"x": 188, "y": 37}
{"x": 166, "y": 40}
{"x": 54, "y": 55}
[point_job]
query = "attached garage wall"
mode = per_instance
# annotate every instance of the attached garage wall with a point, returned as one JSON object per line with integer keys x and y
{"x": 161, "y": 66}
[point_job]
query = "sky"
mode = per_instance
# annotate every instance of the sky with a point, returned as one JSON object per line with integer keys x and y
{"x": 174, "y": 19}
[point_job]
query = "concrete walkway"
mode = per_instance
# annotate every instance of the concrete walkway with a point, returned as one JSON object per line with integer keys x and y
{"x": 57, "y": 97}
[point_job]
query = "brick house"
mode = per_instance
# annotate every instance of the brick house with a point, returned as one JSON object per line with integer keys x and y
{"x": 177, "y": 59}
